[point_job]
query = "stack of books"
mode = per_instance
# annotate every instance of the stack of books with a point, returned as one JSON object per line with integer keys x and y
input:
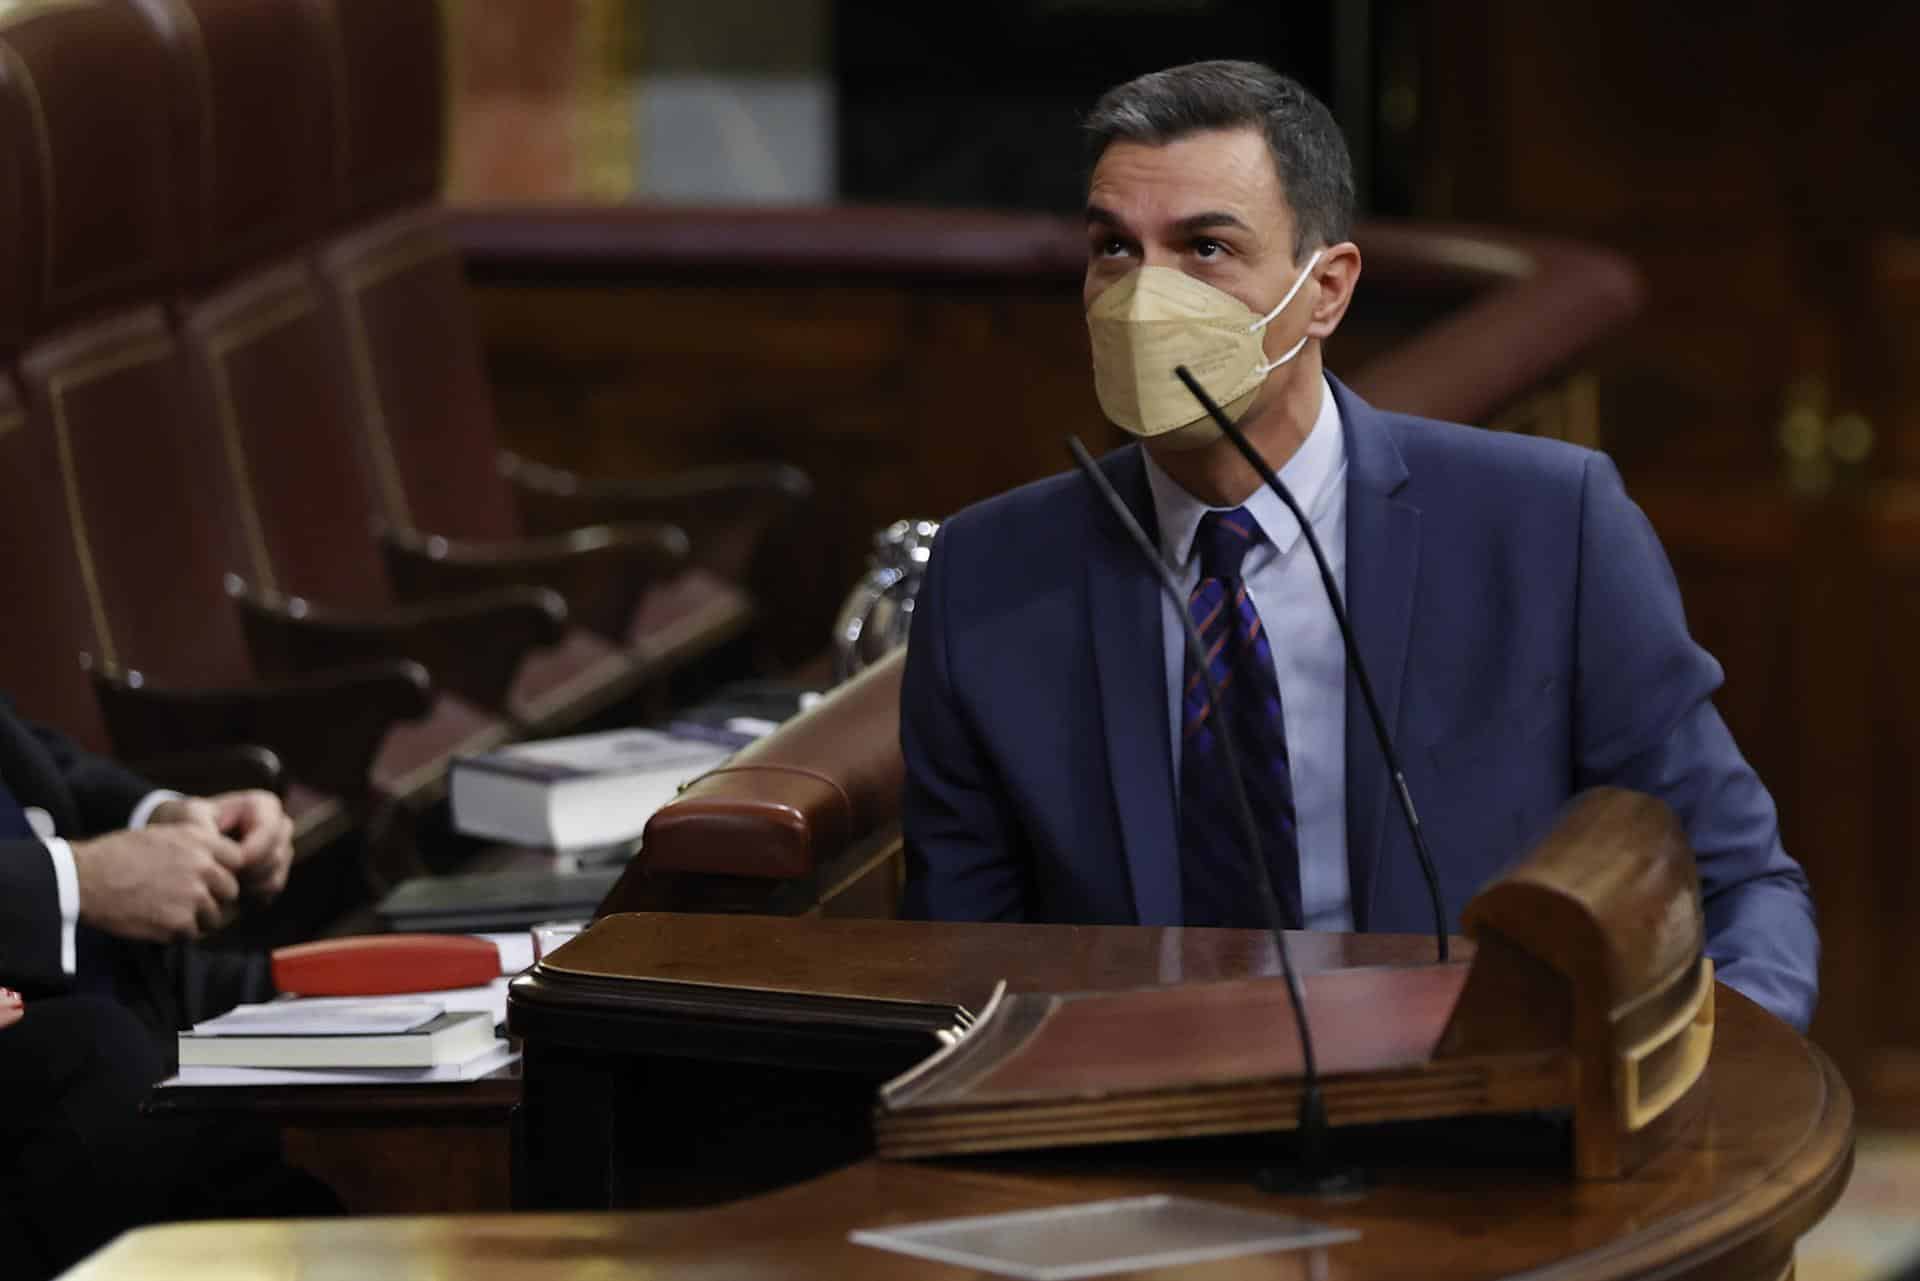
{"x": 346, "y": 1040}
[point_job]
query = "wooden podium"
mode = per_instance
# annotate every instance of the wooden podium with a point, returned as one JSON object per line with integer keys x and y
{"x": 1590, "y": 994}
{"x": 1766, "y": 1156}
{"x": 679, "y": 1060}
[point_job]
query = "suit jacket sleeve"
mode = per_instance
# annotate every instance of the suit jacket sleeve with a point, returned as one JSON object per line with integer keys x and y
{"x": 962, "y": 864}
{"x": 104, "y": 793}
{"x": 29, "y": 919}
{"x": 1645, "y": 720}
{"x": 99, "y": 797}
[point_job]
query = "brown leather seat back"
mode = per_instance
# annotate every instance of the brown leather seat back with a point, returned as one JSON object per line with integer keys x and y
{"x": 272, "y": 406}
{"x": 90, "y": 96}
{"x": 47, "y": 629}
{"x": 40, "y": 589}
{"x": 388, "y": 102}
{"x": 262, "y": 160}
{"x": 270, "y": 409}
{"x": 104, "y": 384}
{"x": 395, "y": 279}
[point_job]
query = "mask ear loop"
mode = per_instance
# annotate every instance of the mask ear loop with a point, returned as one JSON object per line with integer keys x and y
{"x": 1281, "y": 306}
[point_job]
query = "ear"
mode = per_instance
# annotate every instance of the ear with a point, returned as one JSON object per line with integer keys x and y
{"x": 1336, "y": 274}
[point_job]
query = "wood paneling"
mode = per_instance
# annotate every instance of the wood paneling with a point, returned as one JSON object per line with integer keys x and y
{"x": 898, "y": 401}
{"x": 1759, "y": 163}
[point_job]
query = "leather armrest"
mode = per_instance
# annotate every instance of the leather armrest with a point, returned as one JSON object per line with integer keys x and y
{"x": 600, "y": 570}
{"x": 326, "y": 728}
{"x": 471, "y": 645}
{"x": 788, "y": 803}
{"x": 724, "y": 510}
{"x": 1533, "y": 304}
{"x": 220, "y": 769}
{"x": 612, "y": 242}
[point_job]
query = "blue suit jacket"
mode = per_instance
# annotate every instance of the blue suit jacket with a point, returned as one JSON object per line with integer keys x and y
{"x": 1524, "y": 633}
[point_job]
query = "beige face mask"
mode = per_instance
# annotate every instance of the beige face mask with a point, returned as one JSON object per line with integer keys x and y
{"x": 1155, "y": 318}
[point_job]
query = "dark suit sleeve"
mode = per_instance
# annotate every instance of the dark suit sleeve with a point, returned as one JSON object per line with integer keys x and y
{"x": 29, "y": 919}
{"x": 104, "y": 793}
{"x": 961, "y": 860}
{"x": 1645, "y": 720}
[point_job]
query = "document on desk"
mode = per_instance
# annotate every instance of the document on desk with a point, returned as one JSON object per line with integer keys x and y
{"x": 357, "y": 1015}
{"x": 515, "y": 947}
{"x": 324, "y": 1016}
{"x": 501, "y": 1055}
{"x": 1099, "y": 1238}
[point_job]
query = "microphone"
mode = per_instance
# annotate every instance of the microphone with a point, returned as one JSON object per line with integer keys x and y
{"x": 1379, "y": 722}
{"x": 1313, "y": 1175}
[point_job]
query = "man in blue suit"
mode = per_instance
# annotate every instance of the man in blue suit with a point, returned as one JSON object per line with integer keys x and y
{"x": 1513, "y": 607}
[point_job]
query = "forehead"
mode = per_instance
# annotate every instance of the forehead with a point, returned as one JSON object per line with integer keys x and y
{"x": 1219, "y": 169}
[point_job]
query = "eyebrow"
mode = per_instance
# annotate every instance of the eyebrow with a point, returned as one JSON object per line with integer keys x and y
{"x": 1206, "y": 221}
{"x": 1212, "y": 218}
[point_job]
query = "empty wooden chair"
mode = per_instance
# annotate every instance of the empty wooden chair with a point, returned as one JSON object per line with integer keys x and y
{"x": 116, "y": 548}
{"x": 459, "y": 511}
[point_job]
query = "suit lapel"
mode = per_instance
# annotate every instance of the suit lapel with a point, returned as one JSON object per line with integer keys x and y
{"x": 1124, "y": 615}
{"x": 1383, "y": 561}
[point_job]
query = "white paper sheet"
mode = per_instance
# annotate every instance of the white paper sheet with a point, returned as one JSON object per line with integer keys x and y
{"x": 492, "y": 998}
{"x": 499, "y": 1056}
{"x": 326, "y": 1016}
{"x": 1098, "y": 1238}
{"x": 516, "y": 950}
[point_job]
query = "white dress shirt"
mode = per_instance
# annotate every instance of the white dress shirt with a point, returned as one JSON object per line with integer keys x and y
{"x": 66, "y": 878}
{"x": 1309, "y": 659}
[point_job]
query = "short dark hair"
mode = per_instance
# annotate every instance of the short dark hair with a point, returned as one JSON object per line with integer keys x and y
{"x": 1309, "y": 153}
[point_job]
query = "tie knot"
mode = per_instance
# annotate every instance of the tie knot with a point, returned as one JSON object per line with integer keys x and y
{"x": 1224, "y": 539}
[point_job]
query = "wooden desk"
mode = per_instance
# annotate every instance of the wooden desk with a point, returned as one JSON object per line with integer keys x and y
{"x": 668, "y": 1062}
{"x": 383, "y": 1149}
{"x": 1729, "y": 1201}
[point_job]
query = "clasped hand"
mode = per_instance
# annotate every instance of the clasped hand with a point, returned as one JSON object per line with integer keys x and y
{"x": 182, "y": 875}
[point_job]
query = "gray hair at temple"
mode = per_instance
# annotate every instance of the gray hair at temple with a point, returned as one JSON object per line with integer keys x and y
{"x": 1309, "y": 153}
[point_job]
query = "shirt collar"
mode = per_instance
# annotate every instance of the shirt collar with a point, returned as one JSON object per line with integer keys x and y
{"x": 1308, "y": 475}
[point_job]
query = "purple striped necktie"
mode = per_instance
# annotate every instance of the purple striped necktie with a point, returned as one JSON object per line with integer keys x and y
{"x": 1216, "y": 875}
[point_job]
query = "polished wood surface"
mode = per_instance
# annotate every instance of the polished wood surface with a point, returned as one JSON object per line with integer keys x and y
{"x": 691, "y": 1060}
{"x": 1773, "y": 436}
{"x": 1769, "y": 1156}
{"x": 383, "y": 1149}
{"x": 491, "y": 1096}
{"x": 946, "y": 962}
{"x": 1590, "y": 992}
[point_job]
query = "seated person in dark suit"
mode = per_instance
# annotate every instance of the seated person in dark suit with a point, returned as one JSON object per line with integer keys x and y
{"x": 104, "y": 881}
{"x": 1513, "y": 607}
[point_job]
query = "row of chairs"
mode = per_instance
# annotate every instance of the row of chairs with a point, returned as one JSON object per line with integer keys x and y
{"x": 252, "y": 480}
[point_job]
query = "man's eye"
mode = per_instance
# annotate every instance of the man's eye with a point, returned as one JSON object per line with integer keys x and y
{"x": 1206, "y": 250}
{"x": 1111, "y": 247}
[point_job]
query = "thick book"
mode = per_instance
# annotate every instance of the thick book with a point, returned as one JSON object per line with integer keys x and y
{"x": 302, "y": 1036}
{"x": 583, "y": 792}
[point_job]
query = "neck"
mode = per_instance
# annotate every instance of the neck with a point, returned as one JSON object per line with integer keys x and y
{"x": 1277, "y": 424}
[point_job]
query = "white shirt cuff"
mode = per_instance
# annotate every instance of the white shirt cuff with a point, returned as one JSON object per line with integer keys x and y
{"x": 148, "y": 804}
{"x": 66, "y": 880}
